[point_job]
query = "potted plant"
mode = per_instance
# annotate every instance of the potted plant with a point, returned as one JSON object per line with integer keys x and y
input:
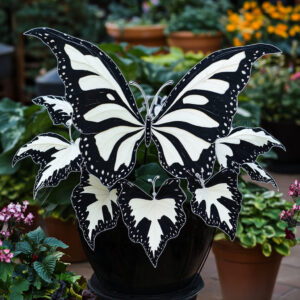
{"x": 196, "y": 26}
{"x": 30, "y": 263}
{"x": 253, "y": 259}
{"x": 118, "y": 195}
{"x": 280, "y": 107}
{"x": 273, "y": 23}
{"x": 136, "y": 22}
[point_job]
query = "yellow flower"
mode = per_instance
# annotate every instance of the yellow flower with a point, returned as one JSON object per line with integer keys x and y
{"x": 237, "y": 42}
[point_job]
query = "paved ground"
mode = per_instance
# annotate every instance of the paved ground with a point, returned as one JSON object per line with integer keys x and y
{"x": 288, "y": 281}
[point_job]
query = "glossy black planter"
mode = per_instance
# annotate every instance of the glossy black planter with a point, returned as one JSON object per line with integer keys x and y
{"x": 123, "y": 271}
{"x": 286, "y": 133}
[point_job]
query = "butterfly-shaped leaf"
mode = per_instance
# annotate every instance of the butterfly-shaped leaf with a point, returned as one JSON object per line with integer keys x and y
{"x": 96, "y": 207}
{"x": 58, "y": 108}
{"x": 152, "y": 221}
{"x": 257, "y": 173}
{"x": 218, "y": 201}
{"x": 56, "y": 156}
{"x": 198, "y": 110}
{"x": 243, "y": 145}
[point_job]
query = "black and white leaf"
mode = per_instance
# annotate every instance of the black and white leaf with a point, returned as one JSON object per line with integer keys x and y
{"x": 59, "y": 109}
{"x": 153, "y": 220}
{"x": 218, "y": 201}
{"x": 244, "y": 145}
{"x": 257, "y": 173}
{"x": 56, "y": 156}
{"x": 96, "y": 207}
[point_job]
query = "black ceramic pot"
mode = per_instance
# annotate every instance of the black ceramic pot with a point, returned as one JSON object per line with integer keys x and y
{"x": 287, "y": 133}
{"x": 123, "y": 271}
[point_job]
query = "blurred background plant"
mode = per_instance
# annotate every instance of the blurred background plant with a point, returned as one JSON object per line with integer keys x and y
{"x": 137, "y": 12}
{"x": 277, "y": 24}
{"x": 276, "y": 89}
{"x": 197, "y": 16}
{"x": 259, "y": 222}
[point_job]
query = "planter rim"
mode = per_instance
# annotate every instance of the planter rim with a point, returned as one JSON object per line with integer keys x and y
{"x": 190, "y": 34}
{"x": 115, "y": 26}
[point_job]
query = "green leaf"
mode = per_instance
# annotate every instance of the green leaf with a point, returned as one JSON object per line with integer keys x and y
{"x": 298, "y": 201}
{"x": 283, "y": 248}
{"x": 272, "y": 213}
{"x": 36, "y": 236}
{"x": 269, "y": 231}
{"x": 260, "y": 205}
{"x": 220, "y": 236}
{"x": 266, "y": 249}
{"x": 19, "y": 286}
{"x": 240, "y": 228}
{"x": 55, "y": 243}
{"x": 281, "y": 225}
{"x": 259, "y": 222}
{"x": 45, "y": 268}
{"x": 5, "y": 164}
{"x": 248, "y": 240}
{"x": 6, "y": 270}
{"x": 23, "y": 248}
{"x": 260, "y": 239}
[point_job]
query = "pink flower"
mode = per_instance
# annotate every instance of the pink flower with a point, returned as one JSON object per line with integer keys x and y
{"x": 155, "y": 2}
{"x": 295, "y": 76}
{"x": 289, "y": 235}
{"x": 294, "y": 190}
{"x": 146, "y": 7}
{"x": 1, "y": 243}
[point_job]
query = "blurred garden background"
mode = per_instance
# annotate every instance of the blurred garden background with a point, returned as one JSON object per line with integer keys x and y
{"x": 152, "y": 42}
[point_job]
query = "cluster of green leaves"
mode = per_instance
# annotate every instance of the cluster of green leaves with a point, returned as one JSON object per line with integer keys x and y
{"x": 275, "y": 92}
{"x": 137, "y": 12}
{"x": 259, "y": 222}
{"x": 198, "y": 16}
{"x": 36, "y": 271}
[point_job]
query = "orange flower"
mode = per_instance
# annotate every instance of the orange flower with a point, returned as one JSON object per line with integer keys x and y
{"x": 237, "y": 42}
{"x": 246, "y": 36}
{"x": 230, "y": 27}
{"x": 247, "y": 5}
{"x": 295, "y": 17}
{"x": 270, "y": 29}
{"x": 258, "y": 35}
{"x": 248, "y": 16}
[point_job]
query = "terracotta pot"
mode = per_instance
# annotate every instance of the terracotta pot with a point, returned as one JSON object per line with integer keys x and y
{"x": 147, "y": 35}
{"x": 67, "y": 232}
{"x": 245, "y": 274}
{"x": 188, "y": 41}
{"x": 123, "y": 271}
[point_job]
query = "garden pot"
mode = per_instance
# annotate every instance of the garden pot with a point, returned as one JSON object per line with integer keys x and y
{"x": 286, "y": 132}
{"x": 123, "y": 271}
{"x": 188, "y": 41}
{"x": 146, "y": 35}
{"x": 66, "y": 231}
{"x": 245, "y": 274}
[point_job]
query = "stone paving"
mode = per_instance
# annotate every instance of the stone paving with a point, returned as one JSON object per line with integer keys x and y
{"x": 288, "y": 280}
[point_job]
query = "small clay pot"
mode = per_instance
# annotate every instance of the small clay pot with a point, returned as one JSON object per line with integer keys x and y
{"x": 146, "y": 35}
{"x": 245, "y": 273}
{"x": 188, "y": 41}
{"x": 67, "y": 232}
